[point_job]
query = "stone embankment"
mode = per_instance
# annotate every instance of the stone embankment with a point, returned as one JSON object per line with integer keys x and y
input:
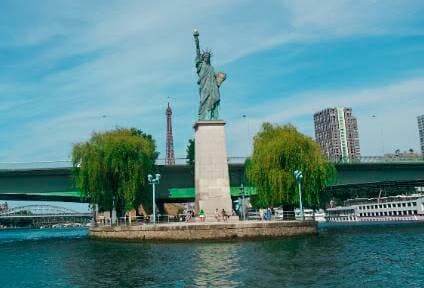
{"x": 205, "y": 231}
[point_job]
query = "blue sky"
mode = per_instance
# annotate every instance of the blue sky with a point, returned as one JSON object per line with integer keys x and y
{"x": 65, "y": 64}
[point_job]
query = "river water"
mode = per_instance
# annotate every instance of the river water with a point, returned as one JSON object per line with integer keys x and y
{"x": 340, "y": 256}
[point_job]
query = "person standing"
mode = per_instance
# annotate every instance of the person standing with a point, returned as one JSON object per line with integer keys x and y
{"x": 217, "y": 215}
{"x": 202, "y": 215}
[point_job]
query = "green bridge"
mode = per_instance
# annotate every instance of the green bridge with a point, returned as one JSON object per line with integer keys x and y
{"x": 54, "y": 183}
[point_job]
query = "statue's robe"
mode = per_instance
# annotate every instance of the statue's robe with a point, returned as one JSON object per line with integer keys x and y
{"x": 208, "y": 90}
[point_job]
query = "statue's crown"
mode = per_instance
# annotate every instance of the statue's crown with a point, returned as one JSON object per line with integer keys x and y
{"x": 207, "y": 52}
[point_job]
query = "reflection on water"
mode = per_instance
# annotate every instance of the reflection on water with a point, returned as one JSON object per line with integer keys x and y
{"x": 345, "y": 256}
{"x": 216, "y": 265}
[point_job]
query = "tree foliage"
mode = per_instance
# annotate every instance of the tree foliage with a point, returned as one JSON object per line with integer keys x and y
{"x": 113, "y": 166}
{"x": 278, "y": 152}
{"x": 190, "y": 154}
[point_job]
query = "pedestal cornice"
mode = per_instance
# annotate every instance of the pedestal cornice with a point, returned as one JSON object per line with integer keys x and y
{"x": 208, "y": 123}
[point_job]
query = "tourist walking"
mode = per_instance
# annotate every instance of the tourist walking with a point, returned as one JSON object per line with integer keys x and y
{"x": 188, "y": 216}
{"x": 217, "y": 214}
{"x": 224, "y": 215}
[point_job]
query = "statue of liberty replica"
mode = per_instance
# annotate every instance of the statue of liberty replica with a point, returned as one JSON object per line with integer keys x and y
{"x": 209, "y": 83}
{"x": 211, "y": 177}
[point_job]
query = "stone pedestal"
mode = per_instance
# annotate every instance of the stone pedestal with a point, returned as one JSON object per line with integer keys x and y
{"x": 212, "y": 180}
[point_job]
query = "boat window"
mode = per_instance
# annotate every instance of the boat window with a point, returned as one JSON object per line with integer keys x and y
{"x": 403, "y": 204}
{"x": 409, "y": 204}
{"x": 368, "y": 207}
{"x": 385, "y": 206}
{"x": 385, "y": 213}
{"x": 414, "y": 203}
{"x": 390, "y": 213}
{"x": 415, "y": 211}
{"x": 380, "y": 206}
{"x": 398, "y": 205}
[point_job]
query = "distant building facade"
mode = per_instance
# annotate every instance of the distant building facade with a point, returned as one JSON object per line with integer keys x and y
{"x": 421, "y": 132}
{"x": 336, "y": 131}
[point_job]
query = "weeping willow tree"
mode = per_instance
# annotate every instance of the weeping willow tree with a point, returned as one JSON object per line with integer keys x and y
{"x": 278, "y": 152}
{"x": 112, "y": 168}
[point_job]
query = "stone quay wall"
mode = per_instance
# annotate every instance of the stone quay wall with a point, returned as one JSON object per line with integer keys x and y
{"x": 205, "y": 231}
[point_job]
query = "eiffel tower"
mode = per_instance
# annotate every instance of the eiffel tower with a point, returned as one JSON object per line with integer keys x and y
{"x": 170, "y": 157}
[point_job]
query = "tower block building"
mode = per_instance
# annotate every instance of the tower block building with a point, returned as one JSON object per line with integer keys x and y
{"x": 421, "y": 132}
{"x": 170, "y": 157}
{"x": 336, "y": 131}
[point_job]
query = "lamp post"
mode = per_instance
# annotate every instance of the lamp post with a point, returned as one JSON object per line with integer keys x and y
{"x": 249, "y": 146}
{"x": 381, "y": 134}
{"x": 153, "y": 182}
{"x": 242, "y": 201}
{"x": 298, "y": 174}
{"x": 113, "y": 216}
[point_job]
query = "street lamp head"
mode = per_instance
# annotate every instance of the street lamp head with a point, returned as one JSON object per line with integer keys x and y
{"x": 298, "y": 174}
{"x": 157, "y": 177}
{"x": 150, "y": 177}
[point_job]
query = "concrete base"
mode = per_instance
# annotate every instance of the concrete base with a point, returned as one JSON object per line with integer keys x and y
{"x": 212, "y": 180}
{"x": 205, "y": 231}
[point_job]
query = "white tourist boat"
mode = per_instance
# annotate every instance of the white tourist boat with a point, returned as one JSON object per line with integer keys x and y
{"x": 385, "y": 209}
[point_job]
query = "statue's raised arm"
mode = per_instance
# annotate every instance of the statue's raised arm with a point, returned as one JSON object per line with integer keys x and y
{"x": 196, "y": 42}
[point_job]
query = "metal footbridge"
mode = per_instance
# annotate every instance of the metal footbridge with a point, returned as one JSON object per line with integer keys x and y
{"x": 41, "y": 215}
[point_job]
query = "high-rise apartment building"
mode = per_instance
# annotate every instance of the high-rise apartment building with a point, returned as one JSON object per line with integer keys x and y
{"x": 336, "y": 131}
{"x": 421, "y": 132}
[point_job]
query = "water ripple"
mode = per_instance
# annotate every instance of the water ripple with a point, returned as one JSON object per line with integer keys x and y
{"x": 342, "y": 256}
